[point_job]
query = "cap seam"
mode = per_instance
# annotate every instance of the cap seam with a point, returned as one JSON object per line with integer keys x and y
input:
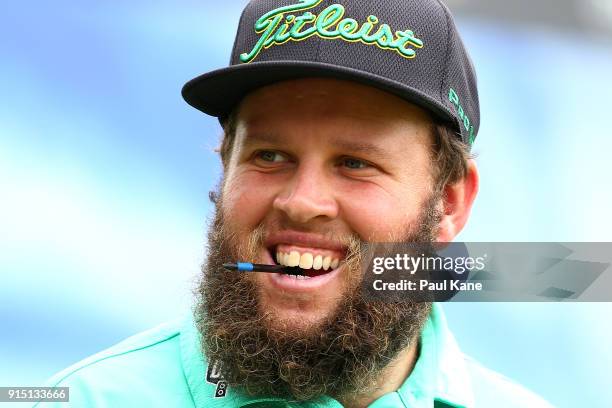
{"x": 443, "y": 79}
{"x": 447, "y": 54}
{"x": 319, "y": 44}
{"x": 240, "y": 23}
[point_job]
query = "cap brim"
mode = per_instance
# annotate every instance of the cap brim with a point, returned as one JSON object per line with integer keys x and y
{"x": 218, "y": 92}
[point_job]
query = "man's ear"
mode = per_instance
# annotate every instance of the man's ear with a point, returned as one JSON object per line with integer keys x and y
{"x": 457, "y": 204}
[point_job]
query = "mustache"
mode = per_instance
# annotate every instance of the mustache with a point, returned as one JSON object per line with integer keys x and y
{"x": 246, "y": 245}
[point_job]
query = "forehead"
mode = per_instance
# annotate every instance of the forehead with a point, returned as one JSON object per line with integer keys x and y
{"x": 343, "y": 103}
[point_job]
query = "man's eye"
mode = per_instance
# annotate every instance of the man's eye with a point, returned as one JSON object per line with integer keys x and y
{"x": 271, "y": 156}
{"x": 354, "y": 164}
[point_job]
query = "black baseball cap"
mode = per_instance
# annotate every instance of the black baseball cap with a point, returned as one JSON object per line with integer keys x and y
{"x": 410, "y": 48}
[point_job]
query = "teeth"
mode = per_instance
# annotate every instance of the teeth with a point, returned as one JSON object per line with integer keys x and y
{"x": 299, "y": 277}
{"x": 307, "y": 261}
{"x": 326, "y": 262}
{"x": 293, "y": 259}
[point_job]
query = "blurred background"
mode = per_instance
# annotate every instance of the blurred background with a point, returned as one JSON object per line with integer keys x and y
{"x": 105, "y": 174}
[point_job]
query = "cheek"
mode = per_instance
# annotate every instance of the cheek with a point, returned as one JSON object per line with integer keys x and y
{"x": 245, "y": 202}
{"x": 380, "y": 214}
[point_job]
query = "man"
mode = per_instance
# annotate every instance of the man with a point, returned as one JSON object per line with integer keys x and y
{"x": 344, "y": 122}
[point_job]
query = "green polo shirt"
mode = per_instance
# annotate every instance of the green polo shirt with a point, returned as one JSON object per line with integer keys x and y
{"x": 164, "y": 367}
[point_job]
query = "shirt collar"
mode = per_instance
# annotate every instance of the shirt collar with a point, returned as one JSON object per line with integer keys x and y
{"x": 440, "y": 373}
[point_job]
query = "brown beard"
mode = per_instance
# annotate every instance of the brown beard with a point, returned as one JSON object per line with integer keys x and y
{"x": 344, "y": 355}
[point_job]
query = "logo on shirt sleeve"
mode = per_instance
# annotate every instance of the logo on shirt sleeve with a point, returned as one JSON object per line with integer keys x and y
{"x": 213, "y": 376}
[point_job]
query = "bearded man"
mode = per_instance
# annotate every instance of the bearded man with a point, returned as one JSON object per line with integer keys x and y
{"x": 344, "y": 123}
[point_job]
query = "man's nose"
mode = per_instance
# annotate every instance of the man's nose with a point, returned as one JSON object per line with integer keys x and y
{"x": 307, "y": 196}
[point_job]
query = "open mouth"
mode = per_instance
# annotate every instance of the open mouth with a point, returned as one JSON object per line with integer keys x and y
{"x": 308, "y": 262}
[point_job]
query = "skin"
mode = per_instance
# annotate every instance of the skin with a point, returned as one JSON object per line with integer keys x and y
{"x": 326, "y": 158}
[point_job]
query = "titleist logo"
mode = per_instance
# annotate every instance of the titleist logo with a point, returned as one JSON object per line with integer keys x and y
{"x": 283, "y": 24}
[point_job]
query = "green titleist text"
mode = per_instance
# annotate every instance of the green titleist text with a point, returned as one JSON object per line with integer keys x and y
{"x": 283, "y": 24}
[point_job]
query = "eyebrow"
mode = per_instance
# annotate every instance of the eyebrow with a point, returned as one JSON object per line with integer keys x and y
{"x": 366, "y": 148}
{"x": 347, "y": 146}
{"x": 272, "y": 138}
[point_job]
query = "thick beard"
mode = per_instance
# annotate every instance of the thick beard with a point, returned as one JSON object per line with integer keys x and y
{"x": 344, "y": 355}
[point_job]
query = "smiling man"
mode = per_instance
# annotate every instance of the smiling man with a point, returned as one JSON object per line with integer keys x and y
{"x": 301, "y": 188}
{"x": 344, "y": 122}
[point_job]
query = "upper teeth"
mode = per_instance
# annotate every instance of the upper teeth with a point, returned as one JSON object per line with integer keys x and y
{"x": 307, "y": 260}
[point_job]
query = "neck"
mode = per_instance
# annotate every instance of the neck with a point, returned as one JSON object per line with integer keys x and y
{"x": 390, "y": 379}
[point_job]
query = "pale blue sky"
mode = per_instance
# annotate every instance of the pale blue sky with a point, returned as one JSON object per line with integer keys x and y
{"x": 105, "y": 173}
